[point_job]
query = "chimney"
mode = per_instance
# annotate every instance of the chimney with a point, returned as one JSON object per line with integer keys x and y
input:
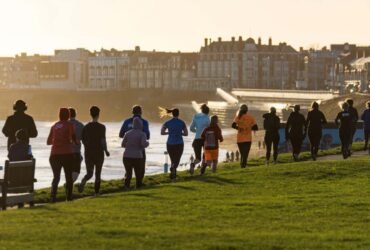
{"x": 205, "y": 42}
{"x": 363, "y": 54}
{"x": 137, "y": 48}
{"x": 219, "y": 39}
{"x": 240, "y": 39}
{"x": 270, "y": 41}
{"x": 300, "y": 49}
{"x": 259, "y": 41}
{"x": 233, "y": 39}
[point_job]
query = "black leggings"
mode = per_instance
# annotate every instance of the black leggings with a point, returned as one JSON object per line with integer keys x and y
{"x": 244, "y": 148}
{"x": 315, "y": 139}
{"x": 296, "y": 141}
{"x": 58, "y": 162}
{"x": 366, "y": 135}
{"x": 175, "y": 153}
{"x": 346, "y": 139}
{"x": 94, "y": 162}
{"x": 272, "y": 141}
{"x": 136, "y": 164}
{"x": 197, "y": 146}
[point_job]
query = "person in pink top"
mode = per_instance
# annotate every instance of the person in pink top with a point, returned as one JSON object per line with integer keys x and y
{"x": 62, "y": 138}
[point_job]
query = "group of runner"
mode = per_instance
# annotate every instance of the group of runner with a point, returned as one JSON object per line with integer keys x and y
{"x": 67, "y": 134}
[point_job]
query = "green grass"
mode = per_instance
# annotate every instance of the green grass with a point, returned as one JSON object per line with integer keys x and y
{"x": 304, "y": 205}
{"x": 113, "y": 186}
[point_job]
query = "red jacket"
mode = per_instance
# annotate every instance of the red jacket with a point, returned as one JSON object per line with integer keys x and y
{"x": 62, "y": 137}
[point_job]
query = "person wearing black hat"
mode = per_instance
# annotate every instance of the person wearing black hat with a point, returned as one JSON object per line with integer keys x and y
{"x": 19, "y": 120}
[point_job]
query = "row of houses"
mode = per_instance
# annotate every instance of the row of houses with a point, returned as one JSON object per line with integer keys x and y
{"x": 236, "y": 63}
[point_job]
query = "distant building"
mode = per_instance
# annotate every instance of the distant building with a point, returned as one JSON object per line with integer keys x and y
{"x": 21, "y": 71}
{"x": 161, "y": 69}
{"x": 109, "y": 69}
{"x": 246, "y": 64}
{"x": 67, "y": 69}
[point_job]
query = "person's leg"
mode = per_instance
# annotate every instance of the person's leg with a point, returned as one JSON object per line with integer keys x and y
{"x": 89, "y": 162}
{"x": 275, "y": 145}
{"x": 247, "y": 150}
{"x": 77, "y": 159}
{"x": 366, "y": 137}
{"x": 67, "y": 162}
{"x": 243, "y": 154}
{"x": 171, "y": 153}
{"x": 197, "y": 147}
{"x": 138, "y": 168}
{"x": 127, "y": 163}
{"x": 179, "y": 149}
{"x": 98, "y": 168}
{"x": 318, "y": 141}
{"x": 214, "y": 166}
{"x": 268, "y": 142}
{"x": 56, "y": 167}
{"x": 144, "y": 161}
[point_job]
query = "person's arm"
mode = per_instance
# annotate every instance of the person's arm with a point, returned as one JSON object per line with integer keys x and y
{"x": 123, "y": 129}
{"x": 32, "y": 130}
{"x": 203, "y": 135}
{"x": 50, "y": 137}
{"x": 6, "y": 128}
{"x": 287, "y": 127}
{"x": 163, "y": 130}
{"x": 363, "y": 116}
{"x": 307, "y": 123}
{"x": 323, "y": 118}
{"x": 185, "y": 130}
{"x": 124, "y": 141}
{"x": 146, "y": 129}
{"x": 104, "y": 142}
{"x": 337, "y": 119}
{"x": 73, "y": 135}
{"x": 221, "y": 138}
{"x": 144, "y": 142}
{"x": 234, "y": 125}
{"x": 254, "y": 126}
{"x": 193, "y": 126}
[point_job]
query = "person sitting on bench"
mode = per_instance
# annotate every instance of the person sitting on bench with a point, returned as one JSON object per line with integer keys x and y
{"x": 20, "y": 150}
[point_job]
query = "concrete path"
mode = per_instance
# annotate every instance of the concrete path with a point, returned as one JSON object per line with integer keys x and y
{"x": 356, "y": 154}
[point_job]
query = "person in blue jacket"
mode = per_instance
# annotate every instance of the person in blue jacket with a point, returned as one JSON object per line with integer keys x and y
{"x": 175, "y": 128}
{"x": 366, "y": 118}
{"x": 127, "y": 125}
{"x": 199, "y": 123}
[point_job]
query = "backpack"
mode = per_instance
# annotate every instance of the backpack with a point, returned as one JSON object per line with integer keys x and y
{"x": 210, "y": 139}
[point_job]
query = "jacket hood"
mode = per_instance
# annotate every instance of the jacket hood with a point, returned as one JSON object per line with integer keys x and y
{"x": 137, "y": 123}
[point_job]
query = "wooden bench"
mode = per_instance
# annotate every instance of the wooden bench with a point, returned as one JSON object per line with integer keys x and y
{"x": 17, "y": 185}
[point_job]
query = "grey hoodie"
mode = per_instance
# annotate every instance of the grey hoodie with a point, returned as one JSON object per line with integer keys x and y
{"x": 135, "y": 141}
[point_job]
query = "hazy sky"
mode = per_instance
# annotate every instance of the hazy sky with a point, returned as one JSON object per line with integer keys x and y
{"x": 40, "y": 26}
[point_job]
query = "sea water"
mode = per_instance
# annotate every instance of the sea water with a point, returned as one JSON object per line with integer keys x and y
{"x": 113, "y": 165}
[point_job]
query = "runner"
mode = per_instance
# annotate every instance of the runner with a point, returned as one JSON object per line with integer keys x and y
{"x": 199, "y": 123}
{"x": 77, "y": 157}
{"x": 175, "y": 129}
{"x": 245, "y": 124}
{"x": 211, "y": 136}
{"x": 353, "y": 111}
{"x": 62, "y": 137}
{"x": 19, "y": 120}
{"x": 366, "y": 118}
{"x": 295, "y": 131}
{"x": 271, "y": 124}
{"x": 344, "y": 120}
{"x": 314, "y": 122}
{"x": 93, "y": 138}
{"x": 134, "y": 143}
{"x": 127, "y": 125}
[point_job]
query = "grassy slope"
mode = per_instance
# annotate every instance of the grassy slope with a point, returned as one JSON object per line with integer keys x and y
{"x": 301, "y": 205}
